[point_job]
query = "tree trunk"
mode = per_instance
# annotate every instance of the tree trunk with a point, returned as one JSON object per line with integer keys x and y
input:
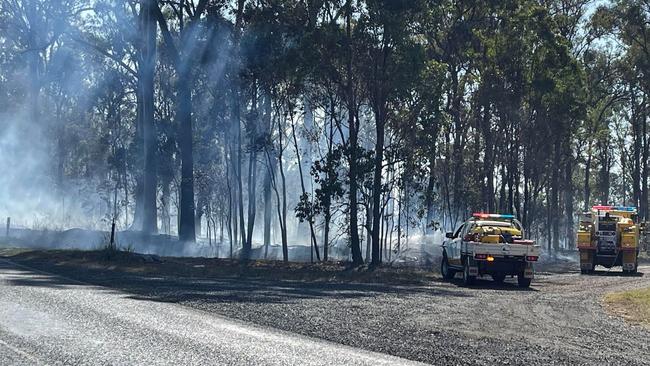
{"x": 229, "y": 213}
{"x": 368, "y": 230}
{"x": 310, "y": 219}
{"x": 502, "y": 190}
{"x": 526, "y": 207}
{"x": 643, "y": 207}
{"x": 429, "y": 195}
{"x": 252, "y": 175}
{"x": 282, "y": 201}
{"x": 138, "y": 191}
{"x": 604, "y": 173}
{"x": 568, "y": 204}
{"x": 33, "y": 63}
{"x": 270, "y": 166}
{"x": 186, "y": 231}
{"x": 164, "y": 202}
{"x": 458, "y": 148}
{"x": 488, "y": 162}
{"x": 326, "y": 232}
{"x": 353, "y": 141}
{"x": 285, "y": 244}
{"x": 146, "y": 78}
{"x": 377, "y": 186}
{"x": 636, "y": 153}
{"x": 239, "y": 190}
{"x": 554, "y": 213}
{"x": 587, "y": 186}
{"x": 199, "y": 212}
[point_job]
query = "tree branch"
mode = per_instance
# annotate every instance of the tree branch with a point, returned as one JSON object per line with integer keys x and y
{"x": 169, "y": 40}
{"x": 109, "y": 55}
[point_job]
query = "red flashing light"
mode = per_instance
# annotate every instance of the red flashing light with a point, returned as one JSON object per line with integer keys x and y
{"x": 531, "y": 258}
{"x": 603, "y": 208}
{"x": 614, "y": 208}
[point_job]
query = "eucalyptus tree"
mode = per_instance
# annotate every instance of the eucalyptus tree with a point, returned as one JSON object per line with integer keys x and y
{"x": 391, "y": 62}
{"x": 184, "y": 44}
{"x": 627, "y": 22}
{"x": 126, "y": 34}
{"x": 333, "y": 51}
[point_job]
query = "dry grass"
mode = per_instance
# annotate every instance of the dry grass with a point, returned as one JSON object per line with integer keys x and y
{"x": 134, "y": 263}
{"x": 633, "y": 305}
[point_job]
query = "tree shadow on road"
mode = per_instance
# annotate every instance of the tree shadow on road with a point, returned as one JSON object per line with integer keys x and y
{"x": 269, "y": 291}
{"x": 214, "y": 290}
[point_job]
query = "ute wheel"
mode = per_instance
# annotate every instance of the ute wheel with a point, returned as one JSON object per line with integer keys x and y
{"x": 498, "y": 277}
{"x": 446, "y": 272}
{"x": 522, "y": 281}
{"x": 467, "y": 279}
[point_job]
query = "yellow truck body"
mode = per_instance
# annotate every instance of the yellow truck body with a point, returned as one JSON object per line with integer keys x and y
{"x": 608, "y": 236}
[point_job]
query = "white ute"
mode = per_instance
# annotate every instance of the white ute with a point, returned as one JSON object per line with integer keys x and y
{"x": 490, "y": 244}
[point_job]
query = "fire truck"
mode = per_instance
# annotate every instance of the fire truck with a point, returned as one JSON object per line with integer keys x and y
{"x": 491, "y": 244}
{"x": 609, "y": 236}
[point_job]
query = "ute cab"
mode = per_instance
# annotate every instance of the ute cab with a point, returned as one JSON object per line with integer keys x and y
{"x": 489, "y": 244}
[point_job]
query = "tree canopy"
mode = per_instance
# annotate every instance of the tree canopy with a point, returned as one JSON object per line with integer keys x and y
{"x": 355, "y": 127}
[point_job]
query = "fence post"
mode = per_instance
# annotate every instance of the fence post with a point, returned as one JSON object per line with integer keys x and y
{"x": 112, "y": 243}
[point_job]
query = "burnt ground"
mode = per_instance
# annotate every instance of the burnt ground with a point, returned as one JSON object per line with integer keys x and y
{"x": 402, "y": 312}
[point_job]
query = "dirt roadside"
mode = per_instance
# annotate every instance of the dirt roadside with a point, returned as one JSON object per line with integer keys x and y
{"x": 560, "y": 320}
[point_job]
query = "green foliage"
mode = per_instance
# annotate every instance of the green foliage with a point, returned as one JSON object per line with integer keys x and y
{"x": 512, "y": 106}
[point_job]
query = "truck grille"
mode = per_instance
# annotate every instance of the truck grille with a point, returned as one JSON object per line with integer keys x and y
{"x": 607, "y": 241}
{"x": 605, "y": 226}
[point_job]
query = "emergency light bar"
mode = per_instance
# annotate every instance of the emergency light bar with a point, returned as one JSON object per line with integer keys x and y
{"x": 615, "y": 208}
{"x": 493, "y": 216}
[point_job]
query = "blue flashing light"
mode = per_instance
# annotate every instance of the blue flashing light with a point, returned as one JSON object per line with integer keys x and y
{"x": 625, "y": 208}
{"x": 615, "y": 208}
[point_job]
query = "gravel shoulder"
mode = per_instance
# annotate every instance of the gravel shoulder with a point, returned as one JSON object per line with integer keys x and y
{"x": 560, "y": 320}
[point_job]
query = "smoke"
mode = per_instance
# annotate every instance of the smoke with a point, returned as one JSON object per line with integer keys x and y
{"x": 25, "y": 186}
{"x": 29, "y": 193}
{"x": 421, "y": 249}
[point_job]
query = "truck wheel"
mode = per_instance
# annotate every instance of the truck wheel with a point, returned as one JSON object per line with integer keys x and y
{"x": 467, "y": 279}
{"x": 522, "y": 281}
{"x": 632, "y": 271}
{"x": 498, "y": 277}
{"x": 446, "y": 272}
{"x": 589, "y": 271}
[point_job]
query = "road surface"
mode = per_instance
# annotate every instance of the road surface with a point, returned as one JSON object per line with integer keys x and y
{"x": 136, "y": 316}
{"x": 50, "y": 320}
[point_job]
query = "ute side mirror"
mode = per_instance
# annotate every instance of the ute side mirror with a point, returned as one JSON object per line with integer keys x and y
{"x": 449, "y": 235}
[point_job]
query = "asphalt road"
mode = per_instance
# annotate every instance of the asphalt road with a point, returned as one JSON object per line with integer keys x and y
{"x": 134, "y": 317}
{"x": 51, "y": 320}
